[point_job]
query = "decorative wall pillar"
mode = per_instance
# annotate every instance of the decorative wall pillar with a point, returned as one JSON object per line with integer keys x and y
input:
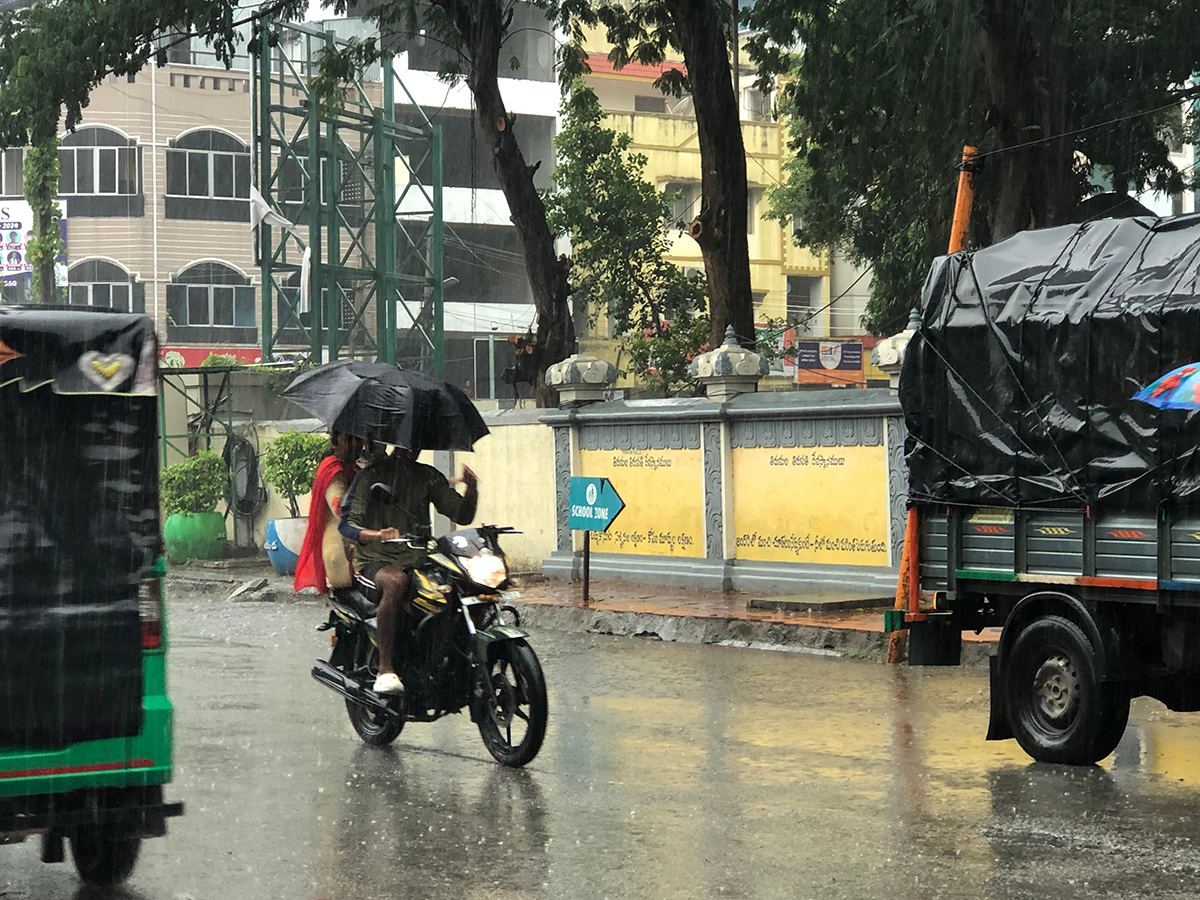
{"x": 889, "y": 352}
{"x": 714, "y": 512}
{"x": 580, "y": 379}
{"x": 562, "y": 484}
{"x": 729, "y": 370}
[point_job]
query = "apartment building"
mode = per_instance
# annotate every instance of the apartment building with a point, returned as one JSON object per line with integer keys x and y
{"x": 154, "y": 185}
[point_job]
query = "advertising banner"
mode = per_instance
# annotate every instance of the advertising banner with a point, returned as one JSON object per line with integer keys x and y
{"x": 16, "y": 231}
{"x": 829, "y": 362}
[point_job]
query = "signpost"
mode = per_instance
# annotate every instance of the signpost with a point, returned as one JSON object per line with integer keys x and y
{"x": 594, "y": 503}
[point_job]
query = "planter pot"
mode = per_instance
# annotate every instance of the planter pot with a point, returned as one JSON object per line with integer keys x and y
{"x": 194, "y": 536}
{"x": 285, "y": 537}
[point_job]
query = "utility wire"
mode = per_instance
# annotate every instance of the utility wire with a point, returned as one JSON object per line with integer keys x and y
{"x": 1066, "y": 134}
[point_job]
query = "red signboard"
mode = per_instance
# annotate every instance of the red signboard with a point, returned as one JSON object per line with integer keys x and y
{"x": 190, "y": 357}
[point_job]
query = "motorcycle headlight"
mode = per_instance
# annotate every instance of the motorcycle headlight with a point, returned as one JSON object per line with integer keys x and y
{"x": 487, "y": 569}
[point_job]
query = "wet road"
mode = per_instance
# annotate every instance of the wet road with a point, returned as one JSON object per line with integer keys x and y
{"x": 669, "y": 771}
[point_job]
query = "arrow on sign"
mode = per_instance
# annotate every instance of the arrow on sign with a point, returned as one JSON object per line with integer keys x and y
{"x": 594, "y": 503}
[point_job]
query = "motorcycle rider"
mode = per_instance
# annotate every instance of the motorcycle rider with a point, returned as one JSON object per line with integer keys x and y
{"x": 388, "y": 498}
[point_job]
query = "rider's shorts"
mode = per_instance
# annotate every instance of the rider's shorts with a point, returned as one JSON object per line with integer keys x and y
{"x": 424, "y": 593}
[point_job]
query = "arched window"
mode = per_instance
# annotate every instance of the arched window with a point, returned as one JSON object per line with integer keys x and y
{"x": 105, "y": 285}
{"x": 100, "y": 173}
{"x": 208, "y": 177}
{"x": 211, "y": 301}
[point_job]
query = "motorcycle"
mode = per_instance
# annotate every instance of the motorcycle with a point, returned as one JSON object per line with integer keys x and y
{"x": 460, "y": 646}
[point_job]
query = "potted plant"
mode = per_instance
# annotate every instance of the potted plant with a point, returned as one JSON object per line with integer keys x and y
{"x": 190, "y": 492}
{"x": 289, "y": 465}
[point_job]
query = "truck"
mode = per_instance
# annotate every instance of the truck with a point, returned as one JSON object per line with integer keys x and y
{"x": 86, "y": 724}
{"x": 1043, "y": 498}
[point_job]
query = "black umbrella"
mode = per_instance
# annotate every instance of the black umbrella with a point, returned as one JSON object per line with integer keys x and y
{"x": 384, "y": 403}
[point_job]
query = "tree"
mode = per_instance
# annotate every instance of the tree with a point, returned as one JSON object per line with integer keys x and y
{"x": 644, "y": 31}
{"x": 618, "y": 222}
{"x": 883, "y": 97}
{"x": 41, "y": 190}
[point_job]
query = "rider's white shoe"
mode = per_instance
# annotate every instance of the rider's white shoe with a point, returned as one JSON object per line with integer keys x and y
{"x": 388, "y": 683}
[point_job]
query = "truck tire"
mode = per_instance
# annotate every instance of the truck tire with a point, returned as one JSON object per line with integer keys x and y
{"x": 1059, "y": 709}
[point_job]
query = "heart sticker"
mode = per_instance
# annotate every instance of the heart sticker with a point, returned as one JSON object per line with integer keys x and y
{"x": 105, "y": 370}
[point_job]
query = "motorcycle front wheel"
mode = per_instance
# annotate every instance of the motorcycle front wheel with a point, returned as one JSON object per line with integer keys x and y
{"x": 512, "y": 720}
{"x": 374, "y": 728}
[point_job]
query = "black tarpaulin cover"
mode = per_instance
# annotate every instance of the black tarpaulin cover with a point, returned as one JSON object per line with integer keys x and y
{"x": 1017, "y": 387}
{"x": 79, "y": 522}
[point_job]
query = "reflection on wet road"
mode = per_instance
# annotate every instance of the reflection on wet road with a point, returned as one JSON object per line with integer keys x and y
{"x": 669, "y": 771}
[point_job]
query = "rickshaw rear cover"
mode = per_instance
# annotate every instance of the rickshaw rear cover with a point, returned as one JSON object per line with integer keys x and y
{"x": 79, "y": 522}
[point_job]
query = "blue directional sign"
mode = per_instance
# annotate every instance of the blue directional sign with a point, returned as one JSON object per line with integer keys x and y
{"x": 594, "y": 504}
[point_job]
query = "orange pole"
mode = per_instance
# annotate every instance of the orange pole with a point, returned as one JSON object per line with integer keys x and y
{"x": 965, "y": 199}
{"x": 908, "y": 591}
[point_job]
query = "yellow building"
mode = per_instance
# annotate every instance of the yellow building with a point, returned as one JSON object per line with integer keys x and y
{"x": 789, "y": 284}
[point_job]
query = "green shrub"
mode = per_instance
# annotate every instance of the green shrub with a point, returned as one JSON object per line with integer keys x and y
{"x": 195, "y": 484}
{"x": 215, "y": 360}
{"x": 291, "y": 462}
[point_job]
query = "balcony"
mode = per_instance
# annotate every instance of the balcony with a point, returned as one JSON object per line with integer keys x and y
{"x": 667, "y": 133}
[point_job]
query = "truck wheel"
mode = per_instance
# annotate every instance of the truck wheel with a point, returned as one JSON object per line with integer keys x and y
{"x": 1059, "y": 709}
{"x": 104, "y": 855}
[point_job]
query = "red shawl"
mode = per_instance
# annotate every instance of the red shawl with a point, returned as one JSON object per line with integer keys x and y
{"x": 310, "y": 570}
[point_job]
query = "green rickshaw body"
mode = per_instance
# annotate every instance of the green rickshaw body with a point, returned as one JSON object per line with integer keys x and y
{"x": 86, "y": 725}
{"x": 141, "y": 761}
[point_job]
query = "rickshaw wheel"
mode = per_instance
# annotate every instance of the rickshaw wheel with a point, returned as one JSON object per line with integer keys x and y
{"x": 104, "y": 856}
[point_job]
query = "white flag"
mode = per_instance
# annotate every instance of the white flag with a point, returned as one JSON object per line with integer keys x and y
{"x": 304, "y": 304}
{"x": 261, "y": 211}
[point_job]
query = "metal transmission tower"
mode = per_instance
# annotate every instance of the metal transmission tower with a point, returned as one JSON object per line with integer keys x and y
{"x": 365, "y": 191}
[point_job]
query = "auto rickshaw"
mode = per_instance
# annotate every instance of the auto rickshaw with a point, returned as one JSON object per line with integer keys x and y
{"x": 85, "y": 721}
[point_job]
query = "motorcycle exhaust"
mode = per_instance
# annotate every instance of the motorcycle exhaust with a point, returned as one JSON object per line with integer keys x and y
{"x": 337, "y": 682}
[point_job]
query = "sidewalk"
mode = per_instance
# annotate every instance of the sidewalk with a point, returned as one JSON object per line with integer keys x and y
{"x": 821, "y": 624}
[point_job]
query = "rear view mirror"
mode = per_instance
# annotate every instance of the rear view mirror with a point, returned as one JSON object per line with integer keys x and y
{"x": 380, "y": 491}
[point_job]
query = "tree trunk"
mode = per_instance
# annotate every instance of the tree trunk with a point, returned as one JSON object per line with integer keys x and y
{"x": 1026, "y": 80}
{"x": 41, "y": 192}
{"x": 720, "y": 228}
{"x": 547, "y": 273}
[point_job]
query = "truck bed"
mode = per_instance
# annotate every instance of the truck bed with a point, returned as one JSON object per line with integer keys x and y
{"x": 1139, "y": 556}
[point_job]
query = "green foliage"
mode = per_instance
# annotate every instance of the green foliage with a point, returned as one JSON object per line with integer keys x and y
{"x": 617, "y": 223}
{"x": 53, "y": 54}
{"x": 661, "y": 360}
{"x": 219, "y": 360}
{"x": 195, "y": 484}
{"x": 290, "y": 464}
{"x": 41, "y": 189}
{"x": 885, "y": 95}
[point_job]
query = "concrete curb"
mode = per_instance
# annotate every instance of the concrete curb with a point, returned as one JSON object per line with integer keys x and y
{"x": 816, "y": 640}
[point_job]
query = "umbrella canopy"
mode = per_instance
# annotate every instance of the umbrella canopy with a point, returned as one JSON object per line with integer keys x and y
{"x": 1178, "y": 389}
{"x": 383, "y": 403}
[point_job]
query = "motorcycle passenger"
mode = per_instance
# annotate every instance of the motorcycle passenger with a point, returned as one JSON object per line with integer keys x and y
{"x": 324, "y": 562}
{"x": 388, "y": 498}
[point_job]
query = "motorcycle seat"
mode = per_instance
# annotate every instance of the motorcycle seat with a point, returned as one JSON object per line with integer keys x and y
{"x": 353, "y": 600}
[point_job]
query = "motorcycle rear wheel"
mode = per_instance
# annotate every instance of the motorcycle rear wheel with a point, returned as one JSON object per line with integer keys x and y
{"x": 374, "y": 728}
{"x": 514, "y": 701}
